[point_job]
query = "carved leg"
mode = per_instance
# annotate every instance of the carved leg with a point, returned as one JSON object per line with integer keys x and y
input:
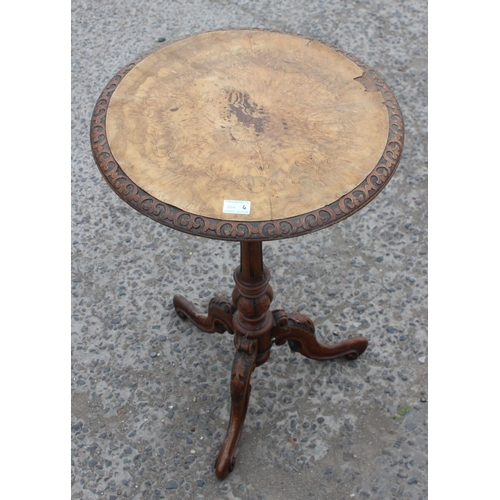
{"x": 243, "y": 366}
{"x": 298, "y": 330}
{"x": 252, "y": 323}
{"x": 219, "y": 318}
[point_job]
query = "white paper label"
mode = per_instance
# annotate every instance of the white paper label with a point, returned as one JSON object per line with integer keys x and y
{"x": 236, "y": 207}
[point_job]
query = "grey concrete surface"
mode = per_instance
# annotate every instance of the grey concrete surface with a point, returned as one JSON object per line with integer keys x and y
{"x": 150, "y": 393}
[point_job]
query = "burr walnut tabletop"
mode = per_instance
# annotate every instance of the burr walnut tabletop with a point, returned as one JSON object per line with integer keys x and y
{"x": 288, "y": 126}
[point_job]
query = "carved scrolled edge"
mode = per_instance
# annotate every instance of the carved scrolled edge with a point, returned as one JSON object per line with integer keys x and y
{"x": 299, "y": 331}
{"x": 239, "y": 376}
{"x": 224, "y": 304}
{"x": 284, "y": 324}
{"x": 218, "y": 319}
{"x": 243, "y": 365}
{"x": 303, "y": 322}
{"x": 280, "y": 319}
{"x": 246, "y": 345}
{"x": 199, "y": 225}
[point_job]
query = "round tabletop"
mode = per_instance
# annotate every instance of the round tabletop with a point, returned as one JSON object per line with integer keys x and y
{"x": 247, "y": 134}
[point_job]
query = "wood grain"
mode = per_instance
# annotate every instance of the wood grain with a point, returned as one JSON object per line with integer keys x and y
{"x": 281, "y": 121}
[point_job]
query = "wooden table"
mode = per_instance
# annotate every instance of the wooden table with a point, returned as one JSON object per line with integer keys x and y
{"x": 248, "y": 135}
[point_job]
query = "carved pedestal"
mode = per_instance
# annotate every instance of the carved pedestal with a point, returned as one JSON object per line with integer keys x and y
{"x": 255, "y": 330}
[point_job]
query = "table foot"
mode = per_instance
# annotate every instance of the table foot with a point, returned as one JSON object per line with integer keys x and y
{"x": 298, "y": 330}
{"x": 243, "y": 366}
{"x": 219, "y": 318}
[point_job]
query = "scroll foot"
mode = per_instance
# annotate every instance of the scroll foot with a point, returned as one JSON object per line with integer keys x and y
{"x": 219, "y": 318}
{"x": 298, "y": 331}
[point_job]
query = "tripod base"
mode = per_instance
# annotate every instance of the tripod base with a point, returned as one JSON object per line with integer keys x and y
{"x": 256, "y": 329}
